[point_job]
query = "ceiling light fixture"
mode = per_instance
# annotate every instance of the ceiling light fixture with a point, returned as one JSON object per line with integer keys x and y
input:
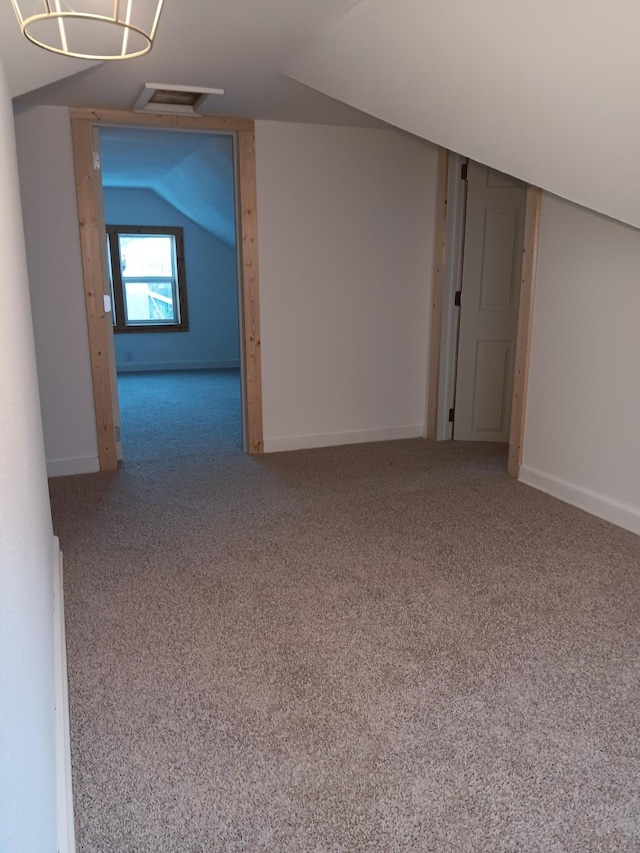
{"x": 91, "y": 29}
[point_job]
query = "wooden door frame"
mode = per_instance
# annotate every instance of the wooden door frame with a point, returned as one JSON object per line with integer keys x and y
{"x": 525, "y": 313}
{"x": 82, "y": 120}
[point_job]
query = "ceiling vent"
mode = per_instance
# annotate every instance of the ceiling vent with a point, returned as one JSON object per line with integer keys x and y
{"x": 177, "y": 100}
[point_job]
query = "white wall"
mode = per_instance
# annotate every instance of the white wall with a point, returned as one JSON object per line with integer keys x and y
{"x": 47, "y": 184}
{"x": 582, "y": 437}
{"x": 545, "y": 91}
{"x": 345, "y": 235}
{"x": 212, "y": 292}
{"x": 27, "y": 717}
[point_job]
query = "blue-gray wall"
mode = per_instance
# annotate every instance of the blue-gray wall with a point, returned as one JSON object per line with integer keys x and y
{"x": 212, "y": 339}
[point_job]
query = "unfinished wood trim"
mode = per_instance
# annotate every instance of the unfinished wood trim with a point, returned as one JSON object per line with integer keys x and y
{"x": 525, "y": 323}
{"x": 250, "y": 293}
{"x": 81, "y": 123}
{"x": 439, "y": 255}
{"x": 124, "y": 117}
{"x": 91, "y": 247}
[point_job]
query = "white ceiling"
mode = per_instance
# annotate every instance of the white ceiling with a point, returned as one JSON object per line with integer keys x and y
{"x": 546, "y": 91}
{"x": 191, "y": 171}
{"x": 26, "y": 65}
{"x": 241, "y": 46}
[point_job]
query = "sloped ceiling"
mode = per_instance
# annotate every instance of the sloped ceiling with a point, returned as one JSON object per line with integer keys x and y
{"x": 27, "y": 67}
{"x": 241, "y": 46}
{"x": 191, "y": 171}
{"x": 545, "y": 91}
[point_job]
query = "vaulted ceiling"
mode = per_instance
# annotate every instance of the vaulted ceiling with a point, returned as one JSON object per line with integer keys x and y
{"x": 240, "y": 46}
{"x": 545, "y": 91}
{"x": 193, "y": 172}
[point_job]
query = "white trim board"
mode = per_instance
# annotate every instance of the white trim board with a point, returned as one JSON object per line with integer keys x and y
{"x": 624, "y": 515}
{"x": 69, "y": 467}
{"x": 333, "y": 439}
{"x": 150, "y": 366}
{"x": 64, "y": 794}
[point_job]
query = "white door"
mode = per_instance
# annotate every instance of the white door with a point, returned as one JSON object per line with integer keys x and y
{"x": 489, "y": 297}
{"x": 106, "y": 278}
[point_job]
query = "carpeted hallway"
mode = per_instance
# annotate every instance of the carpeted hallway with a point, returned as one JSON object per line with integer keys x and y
{"x": 387, "y": 647}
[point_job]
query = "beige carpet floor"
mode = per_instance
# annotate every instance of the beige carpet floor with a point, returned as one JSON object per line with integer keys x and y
{"x": 387, "y": 647}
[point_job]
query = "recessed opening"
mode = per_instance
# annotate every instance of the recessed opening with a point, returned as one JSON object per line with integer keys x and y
{"x": 164, "y": 96}
{"x": 178, "y": 100}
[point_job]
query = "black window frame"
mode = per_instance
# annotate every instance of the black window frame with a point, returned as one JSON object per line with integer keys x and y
{"x": 117, "y": 288}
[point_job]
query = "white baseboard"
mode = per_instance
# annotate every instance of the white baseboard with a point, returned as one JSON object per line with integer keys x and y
{"x": 151, "y": 366}
{"x": 332, "y": 439}
{"x": 68, "y": 467}
{"x": 64, "y": 794}
{"x": 624, "y": 515}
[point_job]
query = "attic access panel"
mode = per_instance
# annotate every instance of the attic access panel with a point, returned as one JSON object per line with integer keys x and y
{"x": 177, "y": 100}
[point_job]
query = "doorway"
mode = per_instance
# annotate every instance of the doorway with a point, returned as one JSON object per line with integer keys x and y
{"x": 168, "y": 199}
{"x": 484, "y": 285}
{"x": 85, "y": 124}
{"x": 487, "y": 303}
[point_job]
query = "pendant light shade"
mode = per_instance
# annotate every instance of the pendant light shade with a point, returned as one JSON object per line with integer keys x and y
{"x": 90, "y": 29}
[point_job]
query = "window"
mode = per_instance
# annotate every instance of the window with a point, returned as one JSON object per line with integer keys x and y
{"x": 147, "y": 279}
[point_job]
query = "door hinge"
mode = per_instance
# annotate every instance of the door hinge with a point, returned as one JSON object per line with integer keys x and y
{"x": 457, "y": 298}
{"x": 96, "y": 161}
{"x": 452, "y": 413}
{"x": 464, "y": 172}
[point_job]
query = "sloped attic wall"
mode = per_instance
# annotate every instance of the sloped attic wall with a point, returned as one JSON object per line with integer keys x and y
{"x": 193, "y": 172}
{"x": 543, "y": 91}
